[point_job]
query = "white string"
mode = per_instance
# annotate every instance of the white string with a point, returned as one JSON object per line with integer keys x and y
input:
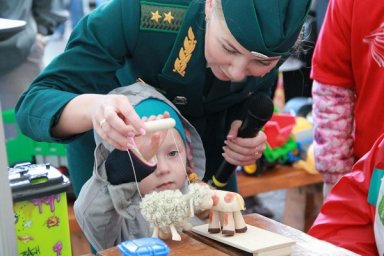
{"x": 134, "y": 174}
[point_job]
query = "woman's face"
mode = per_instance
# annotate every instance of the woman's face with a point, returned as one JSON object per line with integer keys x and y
{"x": 171, "y": 161}
{"x": 228, "y": 60}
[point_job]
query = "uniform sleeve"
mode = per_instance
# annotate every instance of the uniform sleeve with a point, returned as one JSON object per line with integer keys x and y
{"x": 331, "y": 63}
{"x": 333, "y": 126}
{"x": 346, "y": 218}
{"x": 98, "y": 47}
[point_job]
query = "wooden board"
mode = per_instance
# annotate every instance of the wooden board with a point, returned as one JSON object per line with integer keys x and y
{"x": 256, "y": 240}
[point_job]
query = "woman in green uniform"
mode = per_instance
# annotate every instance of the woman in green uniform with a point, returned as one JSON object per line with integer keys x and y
{"x": 207, "y": 57}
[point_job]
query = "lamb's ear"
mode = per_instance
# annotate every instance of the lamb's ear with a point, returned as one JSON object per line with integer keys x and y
{"x": 191, "y": 207}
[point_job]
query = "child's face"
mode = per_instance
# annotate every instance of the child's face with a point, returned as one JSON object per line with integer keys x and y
{"x": 171, "y": 163}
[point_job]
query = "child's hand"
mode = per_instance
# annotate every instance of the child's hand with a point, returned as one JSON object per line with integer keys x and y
{"x": 149, "y": 143}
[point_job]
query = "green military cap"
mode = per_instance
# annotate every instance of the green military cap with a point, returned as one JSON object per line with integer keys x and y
{"x": 269, "y": 27}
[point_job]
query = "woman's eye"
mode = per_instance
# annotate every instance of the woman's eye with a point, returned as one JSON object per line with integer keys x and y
{"x": 173, "y": 153}
{"x": 230, "y": 51}
{"x": 265, "y": 63}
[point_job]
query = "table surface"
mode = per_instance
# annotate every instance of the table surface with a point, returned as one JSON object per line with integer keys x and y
{"x": 194, "y": 244}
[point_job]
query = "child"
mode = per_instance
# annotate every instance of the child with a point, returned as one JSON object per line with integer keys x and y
{"x": 353, "y": 214}
{"x": 107, "y": 208}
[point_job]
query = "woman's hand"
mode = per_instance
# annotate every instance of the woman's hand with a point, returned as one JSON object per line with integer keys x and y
{"x": 116, "y": 121}
{"x": 111, "y": 116}
{"x": 243, "y": 151}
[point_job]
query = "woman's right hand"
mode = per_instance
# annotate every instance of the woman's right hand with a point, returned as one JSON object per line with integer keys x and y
{"x": 111, "y": 116}
{"x": 116, "y": 121}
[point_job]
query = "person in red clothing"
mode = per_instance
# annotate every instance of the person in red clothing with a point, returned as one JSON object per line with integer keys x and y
{"x": 353, "y": 214}
{"x": 348, "y": 74}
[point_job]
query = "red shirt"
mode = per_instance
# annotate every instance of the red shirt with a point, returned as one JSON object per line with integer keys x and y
{"x": 347, "y": 55}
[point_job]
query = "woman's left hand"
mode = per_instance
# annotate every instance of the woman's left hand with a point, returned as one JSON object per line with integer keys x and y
{"x": 243, "y": 151}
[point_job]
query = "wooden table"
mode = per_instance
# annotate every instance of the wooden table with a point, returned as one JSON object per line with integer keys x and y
{"x": 280, "y": 177}
{"x": 301, "y": 206}
{"x": 304, "y": 192}
{"x": 194, "y": 244}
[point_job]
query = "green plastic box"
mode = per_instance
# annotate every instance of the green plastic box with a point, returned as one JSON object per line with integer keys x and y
{"x": 40, "y": 207}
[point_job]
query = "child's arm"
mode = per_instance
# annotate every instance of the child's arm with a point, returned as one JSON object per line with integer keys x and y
{"x": 95, "y": 212}
{"x": 102, "y": 209}
{"x": 346, "y": 218}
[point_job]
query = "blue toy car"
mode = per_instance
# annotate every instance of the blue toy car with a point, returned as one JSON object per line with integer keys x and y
{"x": 144, "y": 247}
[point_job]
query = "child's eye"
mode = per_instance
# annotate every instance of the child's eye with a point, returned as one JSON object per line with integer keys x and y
{"x": 173, "y": 153}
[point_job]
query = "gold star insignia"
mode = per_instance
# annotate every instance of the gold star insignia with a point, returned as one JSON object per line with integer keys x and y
{"x": 168, "y": 17}
{"x": 155, "y": 16}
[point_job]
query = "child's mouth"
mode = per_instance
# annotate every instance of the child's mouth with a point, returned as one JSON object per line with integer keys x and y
{"x": 166, "y": 185}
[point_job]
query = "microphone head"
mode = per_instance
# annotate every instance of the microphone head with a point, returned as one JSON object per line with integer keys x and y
{"x": 260, "y": 106}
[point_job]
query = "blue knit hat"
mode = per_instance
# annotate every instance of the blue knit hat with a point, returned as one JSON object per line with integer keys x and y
{"x": 154, "y": 106}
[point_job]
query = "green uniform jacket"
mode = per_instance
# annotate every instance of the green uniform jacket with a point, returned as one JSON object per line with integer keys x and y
{"x": 126, "y": 40}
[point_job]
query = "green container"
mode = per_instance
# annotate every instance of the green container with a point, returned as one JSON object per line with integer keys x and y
{"x": 40, "y": 207}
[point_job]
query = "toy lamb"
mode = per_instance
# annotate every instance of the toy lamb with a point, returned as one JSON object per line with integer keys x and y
{"x": 170, "y": 209}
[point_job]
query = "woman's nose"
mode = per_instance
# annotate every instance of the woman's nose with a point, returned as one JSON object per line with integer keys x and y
{"x": 238, "y": 70}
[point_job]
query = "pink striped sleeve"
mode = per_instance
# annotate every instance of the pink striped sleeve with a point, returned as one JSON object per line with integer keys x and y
{"x": 333, "y": 130}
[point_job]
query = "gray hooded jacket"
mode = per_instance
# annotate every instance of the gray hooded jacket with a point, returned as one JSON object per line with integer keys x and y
{"x": 109, "y": 214}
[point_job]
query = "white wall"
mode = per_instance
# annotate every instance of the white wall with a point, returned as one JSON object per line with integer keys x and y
{"x": 7, "y": 223}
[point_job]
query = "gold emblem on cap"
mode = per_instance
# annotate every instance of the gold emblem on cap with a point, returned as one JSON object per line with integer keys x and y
{"x": 168, "y": 17}
{"x": 185, "y": 53}
{"x": 155, "y": 16}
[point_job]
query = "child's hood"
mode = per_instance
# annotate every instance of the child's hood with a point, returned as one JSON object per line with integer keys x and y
{"x": 139, "y": 92}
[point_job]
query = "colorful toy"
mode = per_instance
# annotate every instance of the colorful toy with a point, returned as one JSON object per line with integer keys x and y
{"x": 144, "y": 246}
{"x": 289, "y": 137}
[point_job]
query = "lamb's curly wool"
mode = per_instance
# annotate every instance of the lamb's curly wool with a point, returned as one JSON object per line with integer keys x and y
{"x": 170, "y": 207}
{"x": 164, "y": 208}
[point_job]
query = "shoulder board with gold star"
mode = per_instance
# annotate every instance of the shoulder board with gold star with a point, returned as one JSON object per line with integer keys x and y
{"x": 161, "y": 17}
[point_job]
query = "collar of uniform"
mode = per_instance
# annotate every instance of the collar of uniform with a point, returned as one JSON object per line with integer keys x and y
{"x": 186, "y": 60}
{"x": 161, "y": 17}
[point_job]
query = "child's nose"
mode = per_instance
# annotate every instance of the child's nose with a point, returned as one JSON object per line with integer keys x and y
{"x": 162, "y": 167}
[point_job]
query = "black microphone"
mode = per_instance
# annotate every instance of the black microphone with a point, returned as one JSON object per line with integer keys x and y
{"x": 259, "y": 111}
